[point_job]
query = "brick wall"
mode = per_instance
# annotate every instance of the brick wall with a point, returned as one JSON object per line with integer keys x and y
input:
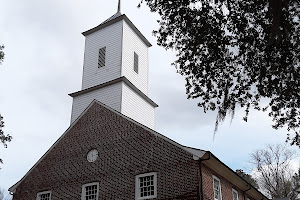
{"x": 125, "y": 150}
{"x": 226, "y": 186}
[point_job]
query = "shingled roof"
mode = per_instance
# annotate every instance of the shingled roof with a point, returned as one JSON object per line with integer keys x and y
{"x": 118, "y": 14}
{"x": 113, "y": 19}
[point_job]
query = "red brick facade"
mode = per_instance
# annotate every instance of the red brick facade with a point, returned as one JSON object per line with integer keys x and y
{"x": 226, "y": 186}
{"x": 125, "y": 150}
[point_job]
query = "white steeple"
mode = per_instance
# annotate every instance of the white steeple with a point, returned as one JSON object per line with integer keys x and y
{"x": 115, "y": 70}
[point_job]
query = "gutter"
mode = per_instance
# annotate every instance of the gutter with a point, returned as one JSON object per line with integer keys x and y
{"x": 200, "y": 172}
{"x": 244, "y": 192}
{"x": 256, "y": 190}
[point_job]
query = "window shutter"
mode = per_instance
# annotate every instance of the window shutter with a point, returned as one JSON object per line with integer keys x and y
{"x": 101, "y": 59}
{"x": 136, "y": 62}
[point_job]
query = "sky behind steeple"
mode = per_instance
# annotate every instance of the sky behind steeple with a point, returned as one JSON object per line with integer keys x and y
{"x": 43, "y": 63}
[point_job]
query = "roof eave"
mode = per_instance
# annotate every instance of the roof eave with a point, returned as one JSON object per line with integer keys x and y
{"x": 122, "y": 17}
{"x": 13, "y": 188}
{"x": 217, "y": 165}
{"x": 123, "y": 79}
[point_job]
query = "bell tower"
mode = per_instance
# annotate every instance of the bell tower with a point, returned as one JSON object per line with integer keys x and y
{"x": 115, "y": 70}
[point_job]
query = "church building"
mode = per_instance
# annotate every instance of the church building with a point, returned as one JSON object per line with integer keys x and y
{"x": 111, "y": 150}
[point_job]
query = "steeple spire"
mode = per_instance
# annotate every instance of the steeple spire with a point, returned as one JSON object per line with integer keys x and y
{"x": 119, "y": 6}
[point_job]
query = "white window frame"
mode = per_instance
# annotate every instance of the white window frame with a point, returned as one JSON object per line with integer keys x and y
{"x": 137, "y": 186}
{"x": 237, "y": 194}
{"x": 84, "y": 190}
{"x": 44, "y": 192}
{"x": 220, "y": 187}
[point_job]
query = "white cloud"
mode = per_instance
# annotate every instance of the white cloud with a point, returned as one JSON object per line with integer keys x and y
{"x": 43, "y": 63}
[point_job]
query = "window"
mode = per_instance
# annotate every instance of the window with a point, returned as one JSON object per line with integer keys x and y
{"x": 235, "y": 194}
{"x": 146, "y": 186}
{"x": 90, "y": 191}
{"x": 136, "y": 62}
{"x": 217, "y": 188}
{"x": 46, "y": 195}
{"x": 101, "y": 59}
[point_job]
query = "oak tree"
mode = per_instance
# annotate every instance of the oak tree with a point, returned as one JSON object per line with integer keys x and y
{"x": 236, "y": 53}
{"x": 1, "y": 54}
{"x": 3, "y": 138}
{"x": 247, "y": 177}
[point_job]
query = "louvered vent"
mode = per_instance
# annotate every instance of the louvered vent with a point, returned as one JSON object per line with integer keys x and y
{"x": 101, "y": 59}
{"x": 136, "y": 62}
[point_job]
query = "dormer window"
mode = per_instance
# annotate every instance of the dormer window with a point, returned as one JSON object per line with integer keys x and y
{"x": 101, "y": 59}
{"x": 136, "y": 62}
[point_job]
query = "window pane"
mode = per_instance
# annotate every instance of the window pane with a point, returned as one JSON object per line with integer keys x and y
{"x": 235, "y": 195}
{"x": 91, "y": 192}
{"x": 45, "y": 196}
{"x": 146, "y": 186}
{"x": 216, "y": 189}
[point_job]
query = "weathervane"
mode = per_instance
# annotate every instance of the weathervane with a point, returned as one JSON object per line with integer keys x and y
{"x": 119, "y": 6}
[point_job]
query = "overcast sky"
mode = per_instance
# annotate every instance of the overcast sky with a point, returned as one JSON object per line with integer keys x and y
{"x": 43, "y": 63}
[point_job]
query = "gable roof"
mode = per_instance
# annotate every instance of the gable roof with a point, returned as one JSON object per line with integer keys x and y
{"x": 196, "y": 154}
{"x": 113, "y": 19}
{"x": 210, "y": 160}
{"x": 118, "y": 14}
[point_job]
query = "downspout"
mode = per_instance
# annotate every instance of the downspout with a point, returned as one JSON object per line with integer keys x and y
{"x": 200, "y": 172}
{"x": 244, "y": 192}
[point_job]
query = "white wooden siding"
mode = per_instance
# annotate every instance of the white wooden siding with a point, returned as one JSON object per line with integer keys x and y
{"x": 111, "y": 38}
{"x": 132, "y": 43}
{"x": 135, "y": 107}
{"x": 109, "y": 95}
{"x": 121, "y": 42}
